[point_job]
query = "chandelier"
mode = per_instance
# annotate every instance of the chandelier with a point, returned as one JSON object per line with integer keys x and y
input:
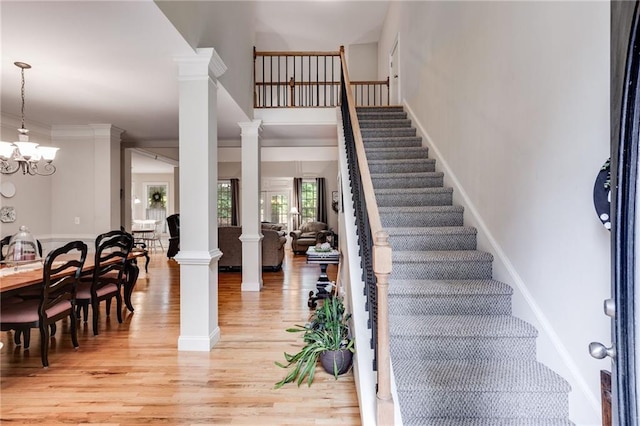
{"x": 29, "y": 157}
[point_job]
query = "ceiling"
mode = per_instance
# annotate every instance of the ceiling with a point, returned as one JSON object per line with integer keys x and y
{"x": 112, "y": 61}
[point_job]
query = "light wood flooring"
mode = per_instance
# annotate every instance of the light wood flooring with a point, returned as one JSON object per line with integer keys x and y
{"x": 132, "y": 373}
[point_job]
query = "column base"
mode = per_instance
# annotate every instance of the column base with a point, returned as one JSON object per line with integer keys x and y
{"x": 199, "y": 343}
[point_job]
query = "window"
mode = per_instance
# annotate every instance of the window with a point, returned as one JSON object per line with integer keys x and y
{"x": 308, "y": 201}
{"x": 224, "y": 203}
{"x": 279, "y": 208}
{"x": 274, "y": 207}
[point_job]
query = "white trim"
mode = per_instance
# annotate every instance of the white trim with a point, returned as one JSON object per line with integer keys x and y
{"x": 198, "y": 257}
{"x": 250, "y": 128}
{"x": 199, "y": 344}
{"x": 501, "y": 257}
{"x": 251, "y": 238}
{"x": 196, "y": 67}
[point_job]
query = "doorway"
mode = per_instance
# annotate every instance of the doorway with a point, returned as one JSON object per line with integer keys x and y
{"x": 394, "y": 73}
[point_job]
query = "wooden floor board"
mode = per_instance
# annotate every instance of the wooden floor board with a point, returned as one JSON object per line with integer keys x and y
{"x": 132, "y": 373}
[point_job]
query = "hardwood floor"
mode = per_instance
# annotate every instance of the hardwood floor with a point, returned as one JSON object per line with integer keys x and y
{"x": 132, "y": 372}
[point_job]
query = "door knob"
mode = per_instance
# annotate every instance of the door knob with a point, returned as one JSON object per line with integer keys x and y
{"x": 600, "y": 351}
{"x": 610, "y": 308}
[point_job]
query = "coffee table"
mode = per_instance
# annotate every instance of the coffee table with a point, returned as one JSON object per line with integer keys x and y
{"x": 322, "y": 258}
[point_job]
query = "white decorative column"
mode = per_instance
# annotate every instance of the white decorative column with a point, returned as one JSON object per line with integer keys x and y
{"x": 106, "y": 177}
{"x": 251, "y": 233}
{"x": 199, "y": 253}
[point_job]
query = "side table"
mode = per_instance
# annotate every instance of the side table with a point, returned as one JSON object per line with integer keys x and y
{"x": 322, "y": 258}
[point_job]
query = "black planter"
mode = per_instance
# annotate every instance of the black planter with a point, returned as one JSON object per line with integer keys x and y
{"x": 336, "y": 362}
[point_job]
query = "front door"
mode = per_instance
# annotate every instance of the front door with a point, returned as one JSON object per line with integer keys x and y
{"x": 623, "y": 307}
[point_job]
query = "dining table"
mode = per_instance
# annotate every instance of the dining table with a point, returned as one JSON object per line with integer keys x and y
{"x": 18, "y": 278}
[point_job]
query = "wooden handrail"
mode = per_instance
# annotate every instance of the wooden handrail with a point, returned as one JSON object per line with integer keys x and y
{"x": 294, "y": 53}
{"x": 382, "y": 263}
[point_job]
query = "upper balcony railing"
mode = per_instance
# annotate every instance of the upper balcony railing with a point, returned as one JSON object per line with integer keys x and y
{"x": 308, "y": 80}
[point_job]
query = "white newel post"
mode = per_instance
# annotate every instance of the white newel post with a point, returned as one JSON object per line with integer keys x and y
{"x": 251, "y": 233}
{"x": 199, "y": 252}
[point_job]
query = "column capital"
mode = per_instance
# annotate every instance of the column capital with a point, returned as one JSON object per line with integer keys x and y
{"x": 194, "y": 257}
{"x": 250, "y": 128}
{"x": 204, "y": 60}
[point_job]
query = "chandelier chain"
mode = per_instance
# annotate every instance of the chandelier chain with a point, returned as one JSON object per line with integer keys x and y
{"x": 22, "y": 95}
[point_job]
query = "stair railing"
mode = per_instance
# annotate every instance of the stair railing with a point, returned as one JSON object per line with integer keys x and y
{"x": 375, "y": 250}
{"x": 307, "y": 80}
{"x": 371, "y": 93}
{"x": 296, "y": 79}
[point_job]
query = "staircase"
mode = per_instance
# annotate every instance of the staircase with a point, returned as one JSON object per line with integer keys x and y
{"x": 459, "y": 357}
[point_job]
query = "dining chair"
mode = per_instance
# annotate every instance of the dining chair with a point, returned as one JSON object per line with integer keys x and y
{"x": 152, "y": 238}
{"x": 27, "y": 294}
{"x": 60, "y": 275}
{"x": 109, "y": 273}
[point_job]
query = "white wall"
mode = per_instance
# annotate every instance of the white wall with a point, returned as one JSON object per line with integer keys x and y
{"x": 362, "y": 60}
{"x": 514, "y": 97}
{"x": 232, "y": 38}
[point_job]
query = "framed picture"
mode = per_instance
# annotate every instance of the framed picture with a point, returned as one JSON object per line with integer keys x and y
{"x": 335, "y": 201}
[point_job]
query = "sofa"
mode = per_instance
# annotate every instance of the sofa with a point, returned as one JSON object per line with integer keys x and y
{"x": 309, "y": 234}
{"x": 231, "y": 247}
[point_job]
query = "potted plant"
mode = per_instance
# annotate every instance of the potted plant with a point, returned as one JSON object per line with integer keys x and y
{"x": 326, "y": 337}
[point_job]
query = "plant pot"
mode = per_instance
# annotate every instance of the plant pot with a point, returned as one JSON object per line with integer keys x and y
{"x": 336, "y": 362}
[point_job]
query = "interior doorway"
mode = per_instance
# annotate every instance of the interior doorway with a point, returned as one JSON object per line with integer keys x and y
{"x": 394, "y": 73}
{"x": 274, "y": 207}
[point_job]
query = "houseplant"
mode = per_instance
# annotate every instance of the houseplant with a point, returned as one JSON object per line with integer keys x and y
{"x": 325, "y": 336}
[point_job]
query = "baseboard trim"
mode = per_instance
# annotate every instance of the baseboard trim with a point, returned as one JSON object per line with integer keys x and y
{"x": 199, "y": 343}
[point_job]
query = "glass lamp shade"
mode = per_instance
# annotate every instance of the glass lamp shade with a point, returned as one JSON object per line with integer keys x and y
{"x": 28, "y": 150}
{"x": 6, "y": 150}
{"x": 48, "y": 153}
{"x": 22, "y": 246}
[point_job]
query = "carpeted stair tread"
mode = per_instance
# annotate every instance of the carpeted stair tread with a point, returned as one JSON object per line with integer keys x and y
{"x": 439, "y": 265}
{"x": 393, "y": 142}
{"x": 396, "y": 153}
{"x": 421, "y": 216}
{"x": 386, "y": 108}
{"x": 432, "y": 238}
{"x": 482, "y": 388}
{"x": 384, "y": 124}
{"x": 419, "y": 210}
{"x": 407, "y": 165}
{"x": 425, "y": 326}
{"x": 431, "y": 231}
{"x": 385, "y": 132}
{"x": 407, "y": 180}
{"x": 381, "y": 115}
{"x": 430, "y": 196}
{"x": 477, "y": 376}
{"x": 405, "y": 175}
{"x": 448, "y": 287}
{"x": 492, "y": 421}
{"x": 449, "y": 297}
{"x": 441, "y": 256}
{"x": 402, "y": 161}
